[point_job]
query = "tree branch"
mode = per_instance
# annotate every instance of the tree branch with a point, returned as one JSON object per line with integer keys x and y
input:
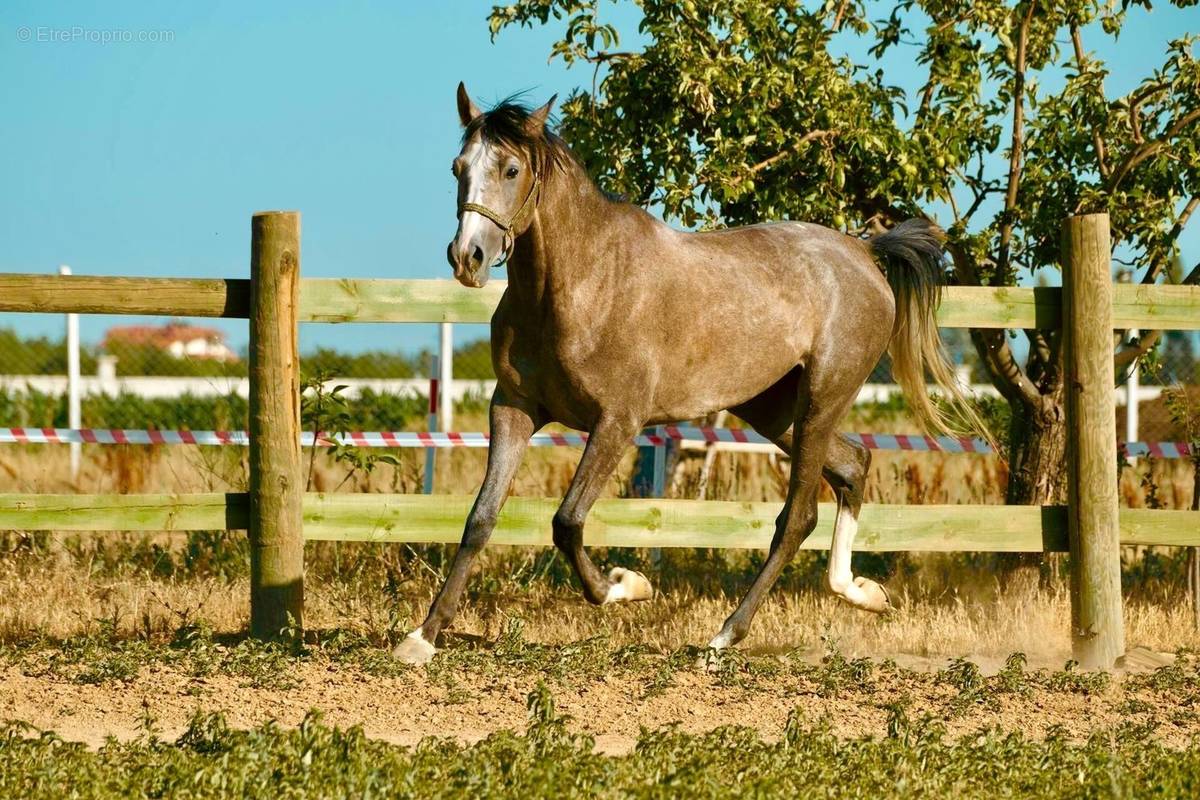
{"x": 1182, "y": 220}
{"x": 1097, "y": 141}
{"x": 1146, "y": 341}
{"x": 1193, "y": 277}
{"x": 1140, "y": 154}
{"x": 980, "y": 196}
{"x": 841, "y": 13}
{"x": 1018, "y": 137}
{"x": 604, "y": 57}
{"x": 796, "y": 147}
{"x": 1135, "y": 101}
{"x": 992, "y": 344}
{"x": 1158, "y": 261}
{"x": 1127, "y": 355}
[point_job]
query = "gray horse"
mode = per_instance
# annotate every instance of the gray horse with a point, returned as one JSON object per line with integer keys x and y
{"x": 612, "y": 321}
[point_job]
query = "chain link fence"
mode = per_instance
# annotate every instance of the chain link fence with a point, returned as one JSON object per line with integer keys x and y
{"x": 186, "y": 374}
{"x": 1163, "y": 390}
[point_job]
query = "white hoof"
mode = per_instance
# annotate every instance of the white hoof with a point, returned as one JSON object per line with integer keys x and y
{"x": 414, "y": 649}
{"x": 627, "y": 585}
{"x": 710, "y": 659}
{"x": 868, "y": 595}
{"x": 720, "y": 641}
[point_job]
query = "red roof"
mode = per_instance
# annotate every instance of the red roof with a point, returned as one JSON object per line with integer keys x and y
{"x": 161, "y": 336}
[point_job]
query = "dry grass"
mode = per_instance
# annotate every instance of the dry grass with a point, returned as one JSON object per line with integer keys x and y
{"x": 896, "y": 477}
{"x": 946, "y": 609}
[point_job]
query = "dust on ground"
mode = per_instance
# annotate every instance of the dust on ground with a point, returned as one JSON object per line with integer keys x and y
{"x": 406, "y": 708}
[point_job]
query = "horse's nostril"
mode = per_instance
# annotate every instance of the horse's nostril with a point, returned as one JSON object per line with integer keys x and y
{"x": 477, "y": 254}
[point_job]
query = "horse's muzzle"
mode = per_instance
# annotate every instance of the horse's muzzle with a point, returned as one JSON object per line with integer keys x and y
{"x": 469, "y": 264}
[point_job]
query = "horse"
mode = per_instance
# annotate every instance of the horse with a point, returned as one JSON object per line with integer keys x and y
{"x": 612, "y": 320}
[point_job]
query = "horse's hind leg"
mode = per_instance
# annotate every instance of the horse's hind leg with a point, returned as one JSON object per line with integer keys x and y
{"x": 816, "y": 416}
{"x": 605, "y": 446}
{"x": 846, "y": 469}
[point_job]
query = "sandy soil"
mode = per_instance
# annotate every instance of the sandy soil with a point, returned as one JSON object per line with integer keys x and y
{"x": 613, "y": 709}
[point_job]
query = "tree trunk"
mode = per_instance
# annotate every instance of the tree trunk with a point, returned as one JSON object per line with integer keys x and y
{"x": 1038, "y": 458}
{"x": 1037, "y": 475}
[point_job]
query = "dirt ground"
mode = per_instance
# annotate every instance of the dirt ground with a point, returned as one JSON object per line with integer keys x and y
{"x": 407, "y": 708}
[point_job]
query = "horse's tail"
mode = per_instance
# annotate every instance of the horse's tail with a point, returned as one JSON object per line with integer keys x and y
{"x": 912, "y": 254}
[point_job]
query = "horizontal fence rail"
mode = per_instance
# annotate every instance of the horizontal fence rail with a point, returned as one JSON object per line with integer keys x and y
{"x": 91, "y": 294}
{"x": 383, "y": 300}
{"x": 651, "y": 522}
{"x": 476, "y": 439}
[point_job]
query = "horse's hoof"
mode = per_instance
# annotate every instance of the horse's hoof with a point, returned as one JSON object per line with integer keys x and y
{"x": 709, "y": 660}
{"x": 627, "y": 585}
{"x": 872, "y": 596}
{"x": 414, "y": 649}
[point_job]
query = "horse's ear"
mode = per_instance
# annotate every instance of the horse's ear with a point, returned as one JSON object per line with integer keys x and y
{"x": 537, "y": 120}
{"x": 467, "y": 110}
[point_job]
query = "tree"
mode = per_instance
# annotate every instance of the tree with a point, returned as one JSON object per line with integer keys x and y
{"x": 737, "y": 111}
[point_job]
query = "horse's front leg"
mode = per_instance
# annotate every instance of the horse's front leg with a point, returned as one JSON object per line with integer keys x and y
{"x": 606, "y": 444}
{"x": 511, "y": 428}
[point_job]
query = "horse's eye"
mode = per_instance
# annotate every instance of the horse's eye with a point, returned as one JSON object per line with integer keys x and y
{"x": 510, "y": 173}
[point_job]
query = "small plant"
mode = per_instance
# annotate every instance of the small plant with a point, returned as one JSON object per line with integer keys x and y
{"x": 1012, "y": 678}
{"x": 898, "y": 723}
{"x": 1070, "y": 679}
{"x": 663, "y": 676}
{"x": 327, "y": 414}
{"x": 1169, "y": 679}
{"x": 837, "y": 673}
{"x": 973, "y": 688}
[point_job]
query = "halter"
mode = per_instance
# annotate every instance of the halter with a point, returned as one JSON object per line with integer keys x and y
{"x": 508, "y": 225}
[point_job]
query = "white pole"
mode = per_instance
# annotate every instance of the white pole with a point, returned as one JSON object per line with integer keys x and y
{"x": 431, "y": 452}
{"x": 1132, "y": 387}
{"x": 74, "y": 417}
{"x": 446, "y": 352}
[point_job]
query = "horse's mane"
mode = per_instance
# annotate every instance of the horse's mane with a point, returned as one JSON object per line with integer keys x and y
{"x": 506, "y": 124}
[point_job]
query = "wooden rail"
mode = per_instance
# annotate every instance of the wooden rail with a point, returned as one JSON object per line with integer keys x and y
{"x": 370, "y": 300}
{"x": 648, "y": 522}
{"x": 91, "y": 294}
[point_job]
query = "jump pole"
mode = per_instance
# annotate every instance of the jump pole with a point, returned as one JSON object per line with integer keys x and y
{"x": 432, "y": 425}
{"x": 1097, "y": 624}
{"x": 74, "y": 415}
{"x": 276, "y": 478}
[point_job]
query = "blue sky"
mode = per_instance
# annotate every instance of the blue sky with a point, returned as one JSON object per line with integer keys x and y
{"x": 141, "y": 158}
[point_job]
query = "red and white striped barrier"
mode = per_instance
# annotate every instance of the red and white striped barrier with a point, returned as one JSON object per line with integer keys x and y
{"x": 426, "y": 439}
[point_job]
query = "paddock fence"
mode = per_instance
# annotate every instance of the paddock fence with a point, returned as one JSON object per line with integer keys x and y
{"x": 278, "y": 515}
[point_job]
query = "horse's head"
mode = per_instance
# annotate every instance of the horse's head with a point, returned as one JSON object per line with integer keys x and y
{"x": 499, "y": 172}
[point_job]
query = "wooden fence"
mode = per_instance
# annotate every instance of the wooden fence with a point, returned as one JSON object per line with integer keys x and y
{"x": 279, "y": 515}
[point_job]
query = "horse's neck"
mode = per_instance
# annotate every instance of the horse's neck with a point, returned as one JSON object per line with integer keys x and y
{"x": 558, "y": 252}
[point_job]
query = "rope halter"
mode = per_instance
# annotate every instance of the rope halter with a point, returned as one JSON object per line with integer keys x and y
{"x": 509, "y": 225}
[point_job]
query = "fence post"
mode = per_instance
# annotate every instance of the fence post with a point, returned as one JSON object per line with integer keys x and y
{"x": 74, "y": 417}
{"x": 1097, "y": 626}
{"x": 276, "y": 478}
